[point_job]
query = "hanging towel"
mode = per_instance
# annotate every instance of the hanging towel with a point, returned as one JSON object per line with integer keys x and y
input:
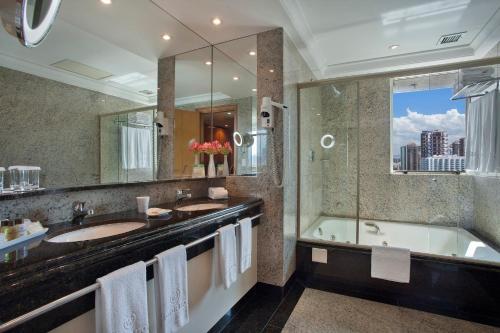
{"x": 121, "y": 303}
{"x": 245, "y": 244}
{"x": 227, "y": 254}
{"x": 391, "y": 263}
{"x": 171, "y": 290}
{"x": 136, "y": 148}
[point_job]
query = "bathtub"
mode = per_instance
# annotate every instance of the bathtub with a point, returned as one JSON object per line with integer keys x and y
{"x": 423, "y": 238}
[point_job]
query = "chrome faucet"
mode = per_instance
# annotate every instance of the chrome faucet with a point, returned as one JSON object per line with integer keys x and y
{"x": 181, "y": 194}
{"x": 80, "y": 212}
{"x": 373, "y": 225}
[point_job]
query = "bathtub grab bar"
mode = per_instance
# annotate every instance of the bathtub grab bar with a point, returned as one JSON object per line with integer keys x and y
{"x": 87, "y": 290}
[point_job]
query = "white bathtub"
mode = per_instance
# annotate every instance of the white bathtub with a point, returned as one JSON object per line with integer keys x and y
{"x": 423, "y": 238}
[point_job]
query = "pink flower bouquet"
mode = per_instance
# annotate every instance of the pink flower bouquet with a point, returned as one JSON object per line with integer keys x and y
{"x": 226, "y": 148}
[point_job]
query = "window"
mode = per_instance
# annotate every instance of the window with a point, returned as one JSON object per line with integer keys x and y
{"x": 428, "y": 129}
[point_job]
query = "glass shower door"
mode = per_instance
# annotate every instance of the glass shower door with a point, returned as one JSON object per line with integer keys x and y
{"x": 329, "y": 162}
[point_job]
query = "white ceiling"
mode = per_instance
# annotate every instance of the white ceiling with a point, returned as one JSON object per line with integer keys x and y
{"x": 335, "y": 37}
{"x": 339, "y": 37}
{"x": 124, "y": 39}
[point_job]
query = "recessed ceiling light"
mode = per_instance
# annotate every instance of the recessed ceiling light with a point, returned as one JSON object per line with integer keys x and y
{"x": 252, "y": 53}
{"x": 318, "y": 114}
{"x": 393, "y": 47}
{"x": 229, "y": 113}
{"x": 106, "y": 2}
{"x": 208, "y": 63}
{"x": 226, "y": 125}
{"x": 236, "y": 78}
{"x": 216, "y": 21}
{"x": 254, "y": 89}
{"x": 271, "y": 71}
{"x": 166, "y": 37}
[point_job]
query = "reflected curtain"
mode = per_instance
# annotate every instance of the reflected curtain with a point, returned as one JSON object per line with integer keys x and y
{"x": 482, "y": 143}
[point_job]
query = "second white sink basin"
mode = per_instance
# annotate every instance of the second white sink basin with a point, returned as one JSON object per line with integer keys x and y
{"x": 203, "y": 206}
{"x": 96, "y": 232}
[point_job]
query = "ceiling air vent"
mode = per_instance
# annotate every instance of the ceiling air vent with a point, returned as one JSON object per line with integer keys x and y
{"x": 451, "y": 38}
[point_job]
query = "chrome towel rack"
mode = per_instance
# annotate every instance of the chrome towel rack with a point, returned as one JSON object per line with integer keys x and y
{"x": 87, "y": 290}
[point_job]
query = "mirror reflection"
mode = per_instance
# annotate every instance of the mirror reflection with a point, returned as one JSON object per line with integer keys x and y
{"x": 106, "y": 101}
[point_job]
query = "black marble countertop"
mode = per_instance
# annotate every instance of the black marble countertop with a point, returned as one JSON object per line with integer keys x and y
{"x": 39, "y": 272}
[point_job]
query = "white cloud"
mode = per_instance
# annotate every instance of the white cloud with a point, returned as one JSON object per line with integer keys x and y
{"x": 407, "y": 129}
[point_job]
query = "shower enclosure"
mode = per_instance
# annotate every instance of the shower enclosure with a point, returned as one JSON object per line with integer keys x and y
{"x": 349, "y": 194}
{"x": 129, "y": 146}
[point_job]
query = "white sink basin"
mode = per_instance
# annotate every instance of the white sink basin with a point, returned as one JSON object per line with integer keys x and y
{"x": 203, "y": 206}
{"x": 96, "y": 232}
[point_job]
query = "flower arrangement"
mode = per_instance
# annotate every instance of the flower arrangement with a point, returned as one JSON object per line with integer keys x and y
{"x": 194, "y": 146}
{"x": 226, "y": 148}
{"x": 213, "y": 148}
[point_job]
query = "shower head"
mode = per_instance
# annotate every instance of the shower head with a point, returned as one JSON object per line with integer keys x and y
{"x": 336, "y": 92}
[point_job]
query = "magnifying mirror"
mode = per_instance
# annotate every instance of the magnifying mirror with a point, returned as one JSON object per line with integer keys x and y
{"x": 245, "y": 140}
{"x": 29, "y": 20}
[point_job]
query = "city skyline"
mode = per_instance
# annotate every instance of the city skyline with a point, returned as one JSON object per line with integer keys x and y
{"x": 427, "y": 110}
{"x": 433, "y": 154}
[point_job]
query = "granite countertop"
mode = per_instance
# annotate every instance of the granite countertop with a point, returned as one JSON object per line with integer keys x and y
{"x": 39, "y": 271}
{"x": 38, "y": 253}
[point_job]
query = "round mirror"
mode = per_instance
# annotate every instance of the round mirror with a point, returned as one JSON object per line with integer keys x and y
{"x": 29, "y": 20}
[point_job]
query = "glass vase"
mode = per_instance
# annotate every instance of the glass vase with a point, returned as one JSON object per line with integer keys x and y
{"x": 211, "y": 167}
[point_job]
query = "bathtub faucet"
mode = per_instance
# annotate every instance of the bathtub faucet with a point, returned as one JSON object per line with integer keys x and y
{"x": 373, "y": 225}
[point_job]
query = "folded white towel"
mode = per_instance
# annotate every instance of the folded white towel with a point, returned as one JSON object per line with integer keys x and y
{"x": 171, "y": 290}
{"x": 121, "y": 304}
{"x": 391, "y": 263}
{"x": 216, "y": 193}
{"x": 227, "y": 254}
{"x": 245, "y": 244}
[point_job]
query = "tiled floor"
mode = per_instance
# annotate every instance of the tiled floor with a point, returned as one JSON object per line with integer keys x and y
{"x": 263, "y": 311}
{"x": 320, "y": 311}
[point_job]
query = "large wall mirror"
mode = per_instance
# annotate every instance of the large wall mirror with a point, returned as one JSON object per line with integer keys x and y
{"x": 120, "y": 98}
{"x": 215, "y": 96}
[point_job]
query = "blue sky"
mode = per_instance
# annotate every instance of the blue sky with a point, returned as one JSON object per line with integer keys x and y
{"x": 426, "y": 102}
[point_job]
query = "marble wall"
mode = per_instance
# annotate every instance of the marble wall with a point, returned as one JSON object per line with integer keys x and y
{"x": 56, "y": 208}
{"x": 53, "y": 125}
{"x": 166, "y": 104}
{"x": 269, "y": 83}
{"x": 295, "y": 70}
{"x": 277, "y": 231}
{"x": 444, "y": 199}
{"x": 487, "y": 208}
{"x": 339, "y": 117}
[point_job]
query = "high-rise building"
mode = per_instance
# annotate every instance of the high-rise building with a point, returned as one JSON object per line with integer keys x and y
{"x": 433, "y": 143}
{"x": 458, "y": 147}
{"x": 410, "y": 157}
{"x": 443, "y": 163}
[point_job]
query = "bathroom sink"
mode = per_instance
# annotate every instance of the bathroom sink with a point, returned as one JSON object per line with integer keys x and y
{"x": 203, "y": 206}
{"x": 96, "y": 232}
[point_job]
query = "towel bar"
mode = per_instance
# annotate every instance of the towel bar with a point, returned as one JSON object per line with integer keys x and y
{"x": 87, "y": 290}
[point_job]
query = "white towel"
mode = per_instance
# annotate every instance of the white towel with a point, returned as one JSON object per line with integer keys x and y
{"x": 227, "y": 254}
{"x": 171, "y": 290}
{"x": 391, "y": 263}
{"x": 245, "y": 244}
{"x": 121, "y": 304}
{"x": 216, "y": 193}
